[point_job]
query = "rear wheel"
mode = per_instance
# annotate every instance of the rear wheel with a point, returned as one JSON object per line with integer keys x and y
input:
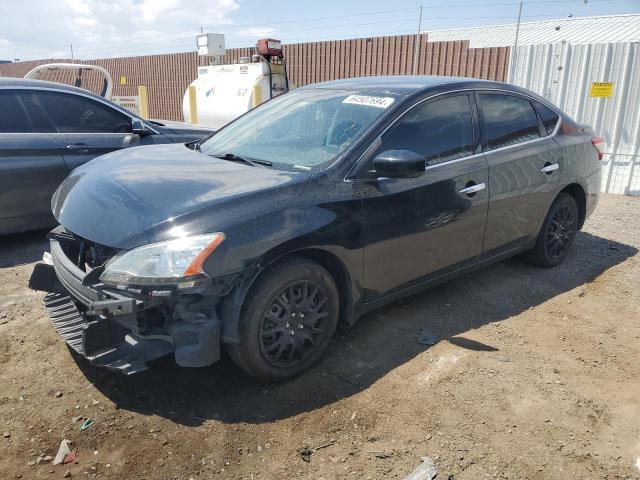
{"x": 287, "y": 322}
{"x": 557, "y": 233}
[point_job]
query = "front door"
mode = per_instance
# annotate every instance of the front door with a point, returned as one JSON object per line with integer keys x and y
{"x": 419, "y": 228}
{"x": 84, "y": 128}
{"x": 31, "y": 168}
{"x": 525, "y": 164}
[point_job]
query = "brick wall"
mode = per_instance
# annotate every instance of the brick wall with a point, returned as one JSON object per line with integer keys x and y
{"x": 167, "y": 76}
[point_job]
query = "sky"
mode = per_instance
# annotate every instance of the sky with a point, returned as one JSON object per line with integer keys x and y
{"x": 36, "y": 29}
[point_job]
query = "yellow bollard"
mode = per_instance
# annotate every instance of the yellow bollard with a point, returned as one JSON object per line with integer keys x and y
{"x": 144, "y": 101}
{"x": 257, "y": 95}
{"x": 193, "y": 106}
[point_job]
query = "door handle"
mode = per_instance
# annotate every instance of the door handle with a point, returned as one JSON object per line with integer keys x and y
{"x": 79, "y": 147}
{"x": 550, "y": 168}
{"x": 470, "y": 190}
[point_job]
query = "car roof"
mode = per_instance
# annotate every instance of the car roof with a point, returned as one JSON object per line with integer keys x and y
{"x": 406, "y": 84}
{"x": 398, "y": 84}
{"x": 11, "y": 82}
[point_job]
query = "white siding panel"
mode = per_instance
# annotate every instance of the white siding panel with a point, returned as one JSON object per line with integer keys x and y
{"x": 575, "y": 30}
{"x": 563, "y": 74}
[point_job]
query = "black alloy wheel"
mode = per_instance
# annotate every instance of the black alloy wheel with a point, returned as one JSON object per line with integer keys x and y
{"x": 560, "y": 231}
{"x": 287, "y": 320}
{"x": 292, "y": 326}
{"x": 557, "y": 233}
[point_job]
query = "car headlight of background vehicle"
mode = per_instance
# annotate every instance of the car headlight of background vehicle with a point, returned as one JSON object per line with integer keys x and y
{"x": 176, "y": 263}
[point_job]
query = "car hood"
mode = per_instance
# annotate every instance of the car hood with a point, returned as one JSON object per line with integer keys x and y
{"x": 147, "y": 194}
{"x": 180, "y": 128}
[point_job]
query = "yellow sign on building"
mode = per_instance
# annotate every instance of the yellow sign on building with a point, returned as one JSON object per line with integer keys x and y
{"x": 123, "y": 80}
{"x": 601, "y": 89}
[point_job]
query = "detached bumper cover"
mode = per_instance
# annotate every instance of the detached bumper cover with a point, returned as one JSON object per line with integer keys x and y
{"x": 103, "y": 325}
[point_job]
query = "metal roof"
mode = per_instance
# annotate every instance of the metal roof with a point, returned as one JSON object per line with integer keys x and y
{"x": 575, "y": 30}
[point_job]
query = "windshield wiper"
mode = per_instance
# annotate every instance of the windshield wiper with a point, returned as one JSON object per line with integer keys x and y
{"x": 196, "y": 144}
{"x": 236, "y": 158}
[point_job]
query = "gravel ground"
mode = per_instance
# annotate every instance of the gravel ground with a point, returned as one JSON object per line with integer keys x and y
{"x": 536, "y": 376}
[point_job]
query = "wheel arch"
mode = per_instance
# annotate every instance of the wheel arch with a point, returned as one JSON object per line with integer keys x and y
{"x": 230, "y": 306}
{"x": 577, "y": 192}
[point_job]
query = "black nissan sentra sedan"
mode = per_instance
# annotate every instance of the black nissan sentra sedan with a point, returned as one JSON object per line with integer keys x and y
{"x": 305, "y": 213}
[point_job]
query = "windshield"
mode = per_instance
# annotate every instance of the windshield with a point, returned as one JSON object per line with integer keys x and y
{"x": 302, "y": 129}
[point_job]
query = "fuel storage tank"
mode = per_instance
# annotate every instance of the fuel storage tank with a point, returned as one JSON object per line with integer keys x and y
{"x": 224, "y": 92}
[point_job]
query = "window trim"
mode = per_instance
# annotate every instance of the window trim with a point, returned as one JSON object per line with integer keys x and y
{"x": 350, "y": 175}
{"x": 540, "y": 121}
{"x": 87, "y": 95}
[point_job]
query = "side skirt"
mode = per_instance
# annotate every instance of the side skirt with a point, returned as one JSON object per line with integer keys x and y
{"x": 406, "y": 292}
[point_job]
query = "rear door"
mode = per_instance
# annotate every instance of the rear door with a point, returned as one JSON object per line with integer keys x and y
{"x": 31, "y": 167}
{"x": 84, "y": 128}
{"x": 525, "y": 164}
{"x": 419, "y": 228}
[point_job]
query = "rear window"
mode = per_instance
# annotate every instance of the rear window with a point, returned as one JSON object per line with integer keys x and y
{"x": 507, "y": 119}
{"x": 549, "y": 117}
{"x": 13, "y": 117}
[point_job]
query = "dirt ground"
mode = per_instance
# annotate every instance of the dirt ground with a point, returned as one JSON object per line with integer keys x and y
{"x": 536, "y": 375}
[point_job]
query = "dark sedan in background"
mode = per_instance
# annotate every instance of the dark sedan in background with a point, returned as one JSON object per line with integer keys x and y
{"x": 307, "y": 212}
{"x": 47, "y": 129}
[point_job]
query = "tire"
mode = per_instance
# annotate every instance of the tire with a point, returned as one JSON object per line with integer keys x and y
{"x": 557, "y": 233}
{"x": 280, "y": 338}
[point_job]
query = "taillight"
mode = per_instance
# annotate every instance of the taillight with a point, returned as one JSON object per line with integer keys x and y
{"x": 601, "y": 146}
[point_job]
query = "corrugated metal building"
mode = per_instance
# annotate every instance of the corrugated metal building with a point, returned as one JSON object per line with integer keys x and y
{"x": 574, "y": 30}
{"x": 564, "y": 73}
{"x": 561, "y": 60}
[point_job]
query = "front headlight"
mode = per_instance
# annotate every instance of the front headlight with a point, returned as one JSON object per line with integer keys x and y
{"x": 172, "y": 263}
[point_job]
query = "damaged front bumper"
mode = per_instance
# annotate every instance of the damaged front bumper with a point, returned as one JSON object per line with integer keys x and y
{"x": 123, "y": 330}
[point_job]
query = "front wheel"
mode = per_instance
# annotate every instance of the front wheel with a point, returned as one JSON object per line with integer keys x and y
{"x": 287, "y": 322}
{"x": 557, "y": 233}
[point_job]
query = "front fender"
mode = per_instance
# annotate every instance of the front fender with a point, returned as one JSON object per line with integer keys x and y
{"x": 329, "y": 233}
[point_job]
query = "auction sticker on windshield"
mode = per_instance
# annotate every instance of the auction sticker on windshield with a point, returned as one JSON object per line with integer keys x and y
{"x": 379, "y": 102}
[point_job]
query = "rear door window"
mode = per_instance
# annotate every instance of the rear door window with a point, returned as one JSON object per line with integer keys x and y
{"x": 440, "y": 130}
{"x": 13, "y": 115}
{"x": 77, "y": 114}
{"x": 549, "y": 117}
{"x": 507, "y": 119}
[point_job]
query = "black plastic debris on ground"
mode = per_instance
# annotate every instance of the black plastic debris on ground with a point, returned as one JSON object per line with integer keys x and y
{"x": 305, "y": 452}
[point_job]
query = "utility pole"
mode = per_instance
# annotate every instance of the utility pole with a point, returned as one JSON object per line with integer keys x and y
{"x": 515, "y": 46}
{"x": 71, "y": 45}
{"x": 416, "y": 49}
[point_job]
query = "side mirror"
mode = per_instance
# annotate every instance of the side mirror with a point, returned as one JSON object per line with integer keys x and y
{"x": 399, "y": 164}
{"x": 138, "y": 127}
